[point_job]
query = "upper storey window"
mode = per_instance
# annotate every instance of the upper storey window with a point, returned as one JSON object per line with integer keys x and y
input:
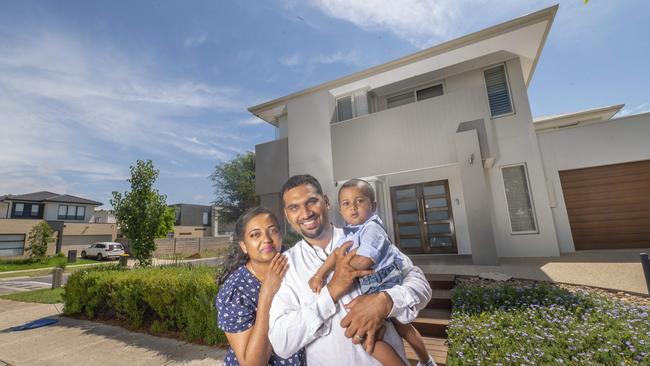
{"x": 351, "y": 106}
{"x": 414, "y": 95}
{"x": 496, "y": 82}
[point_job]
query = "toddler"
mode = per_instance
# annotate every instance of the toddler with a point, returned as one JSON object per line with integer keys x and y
{"x": 374, "y": 251}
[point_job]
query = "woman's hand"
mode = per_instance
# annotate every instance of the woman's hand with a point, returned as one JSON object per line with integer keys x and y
{"x": 274, "y": 275}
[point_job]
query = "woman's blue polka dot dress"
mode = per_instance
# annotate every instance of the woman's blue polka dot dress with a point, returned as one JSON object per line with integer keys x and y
{"x": 237, "y": 306}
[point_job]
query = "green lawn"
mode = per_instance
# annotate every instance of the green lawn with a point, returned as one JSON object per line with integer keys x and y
{"x": 21, "y": 264}
{"x": 43, "y": 296}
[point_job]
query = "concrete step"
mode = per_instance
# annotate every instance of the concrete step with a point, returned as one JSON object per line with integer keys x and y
{"x": 433, "y": 322}
{"x": 440, "y": 299}
{"x": 437, "y": 348}
{"x": 441, "y": 281}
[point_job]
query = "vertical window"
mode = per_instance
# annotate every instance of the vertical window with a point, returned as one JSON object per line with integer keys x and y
{"x": 72, "y": 212}
{"x": 81, "y": 212}
{"x": 344, "y": 108}
{"x": 498, "y": 93}
{"x": 19, "y": 208}
{"x": 205, "y": 219}
{"x": 63, "y": 211}
{"x": 351, "y": 106}
{"x": 34, "y": 211}
{"x": 519, "y": 200}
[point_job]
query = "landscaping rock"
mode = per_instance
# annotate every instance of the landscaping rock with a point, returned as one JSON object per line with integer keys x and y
{"x": 494, "y": 276}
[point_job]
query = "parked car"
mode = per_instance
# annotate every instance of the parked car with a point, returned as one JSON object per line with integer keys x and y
{"x": 103, "y": 250}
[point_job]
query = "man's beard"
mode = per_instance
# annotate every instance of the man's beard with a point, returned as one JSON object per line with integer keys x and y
{"x": 314, "y": 234}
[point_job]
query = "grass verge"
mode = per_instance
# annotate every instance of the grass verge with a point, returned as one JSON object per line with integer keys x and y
{"x": 49, "y": 262}
{"x": 42, "y": 296}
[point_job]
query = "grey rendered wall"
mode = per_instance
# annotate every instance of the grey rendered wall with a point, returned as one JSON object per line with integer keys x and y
{"x": 271, "y": 166}
{"x": 616, "y": 141}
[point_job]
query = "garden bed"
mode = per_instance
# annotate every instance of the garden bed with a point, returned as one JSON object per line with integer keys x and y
{"x": 530, "y": 323}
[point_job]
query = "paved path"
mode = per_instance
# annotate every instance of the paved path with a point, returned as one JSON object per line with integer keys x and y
{"x": 79, "y": 342}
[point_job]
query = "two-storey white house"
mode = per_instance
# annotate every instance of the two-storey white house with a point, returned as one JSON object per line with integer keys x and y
{"x": 446, "y": 137}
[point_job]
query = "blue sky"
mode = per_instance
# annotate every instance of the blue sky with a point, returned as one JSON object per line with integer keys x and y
{"x": 88, "y": 87}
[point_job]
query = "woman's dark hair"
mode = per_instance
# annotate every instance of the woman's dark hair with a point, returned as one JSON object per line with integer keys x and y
{"x": 235, "y": 256}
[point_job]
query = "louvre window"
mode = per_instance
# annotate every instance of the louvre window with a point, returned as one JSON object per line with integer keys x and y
{"x": 497, "y": 91}
{"x": 520, "y": 204}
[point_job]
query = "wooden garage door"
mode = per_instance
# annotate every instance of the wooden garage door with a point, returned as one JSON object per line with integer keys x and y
{"x": 609, "y": 206}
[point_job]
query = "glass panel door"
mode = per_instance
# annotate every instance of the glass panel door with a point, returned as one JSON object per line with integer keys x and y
{"x": 423, "y": 218}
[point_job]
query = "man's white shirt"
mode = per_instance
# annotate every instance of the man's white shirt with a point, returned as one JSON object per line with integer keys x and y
{"x": 300, "y": 318}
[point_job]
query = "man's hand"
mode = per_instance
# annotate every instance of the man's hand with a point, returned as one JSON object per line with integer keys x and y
{"x": 366, "y": 317}
{"x": 344, "y": 273}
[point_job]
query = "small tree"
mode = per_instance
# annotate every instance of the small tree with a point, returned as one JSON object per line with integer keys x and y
{"x": 38, "y": 238}
{"x": 142, "y": 213}
{"x": 234, "y": 184}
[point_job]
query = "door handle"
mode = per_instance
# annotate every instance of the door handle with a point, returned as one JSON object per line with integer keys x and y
{"x": 424, "y": 212}
{"x": 417, "y": 203}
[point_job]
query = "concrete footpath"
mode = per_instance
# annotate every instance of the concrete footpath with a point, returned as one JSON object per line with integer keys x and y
{"x": 80, "y": 342}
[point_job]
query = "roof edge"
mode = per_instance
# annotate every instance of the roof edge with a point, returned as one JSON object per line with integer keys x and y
{"x": 495, "y": 30}
{"x": 576, "y": 119}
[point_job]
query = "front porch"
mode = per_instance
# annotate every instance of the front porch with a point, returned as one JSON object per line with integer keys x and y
{"x": 616, "y": 269}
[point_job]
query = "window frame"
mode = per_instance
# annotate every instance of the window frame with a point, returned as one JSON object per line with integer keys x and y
{"x": 352, "y": 98}
{"x": 530, "y": 198}
{"x": 22, "y": 209}
{"x": 487, "y": 97}
{"x": 24, "y": 240}
{"x": 74, "y": 217}
{"x": 414, "y": 90}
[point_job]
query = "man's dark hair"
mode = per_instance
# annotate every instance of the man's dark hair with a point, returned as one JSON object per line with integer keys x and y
{"x": 300, "y": 180}
{"x": 364, "y": 186}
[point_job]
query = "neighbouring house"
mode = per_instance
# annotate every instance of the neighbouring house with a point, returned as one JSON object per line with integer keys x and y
{"x": 447, "y": 138}
{"x": 71, "y": 218}
{"x": 103, "y": 216}
{"x": 197, "y": 221}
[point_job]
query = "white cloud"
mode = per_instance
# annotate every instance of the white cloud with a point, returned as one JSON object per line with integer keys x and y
{"x": 291, "y": 60}
{"x": 641, "y": 108}
{"x": 70, "y": 108}
{"x": 426, "y": 22}
{"x": 252, "y": 121}
{"x": 195, "y": 40}
{"x": 351, "y": 57}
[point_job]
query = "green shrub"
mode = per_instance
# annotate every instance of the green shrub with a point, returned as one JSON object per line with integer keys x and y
{"x": 172, "y": 298}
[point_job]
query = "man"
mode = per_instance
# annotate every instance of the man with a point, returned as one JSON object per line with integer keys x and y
{"x": 321, "y": 322}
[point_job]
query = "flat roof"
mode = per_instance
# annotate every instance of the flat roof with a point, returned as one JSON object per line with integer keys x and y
{"x": 576, "y": 119}
{"x": 276, "y": 106}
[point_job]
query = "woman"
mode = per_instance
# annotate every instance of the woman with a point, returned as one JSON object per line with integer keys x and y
{"x": 250, "y": 278}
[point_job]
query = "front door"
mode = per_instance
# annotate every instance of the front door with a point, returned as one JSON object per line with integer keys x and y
{"x": 422, "y": 218}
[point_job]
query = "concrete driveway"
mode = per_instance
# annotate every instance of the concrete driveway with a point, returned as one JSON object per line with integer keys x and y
{"x": 80, "y": 342}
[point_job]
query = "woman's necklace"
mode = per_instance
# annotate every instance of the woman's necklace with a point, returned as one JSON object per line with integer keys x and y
{"x": 249, "y": 265}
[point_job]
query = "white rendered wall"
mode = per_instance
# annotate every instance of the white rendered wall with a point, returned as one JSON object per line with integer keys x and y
{"x": 616, "y": 141}
{"x": 517, "y": 143}
{"x": 310, "y": 147}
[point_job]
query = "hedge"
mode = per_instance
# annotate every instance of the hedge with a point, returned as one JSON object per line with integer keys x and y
{"x": 162, "y": 299}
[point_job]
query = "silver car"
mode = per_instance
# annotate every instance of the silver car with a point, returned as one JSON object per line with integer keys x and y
{"x": 103, "y": 250}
